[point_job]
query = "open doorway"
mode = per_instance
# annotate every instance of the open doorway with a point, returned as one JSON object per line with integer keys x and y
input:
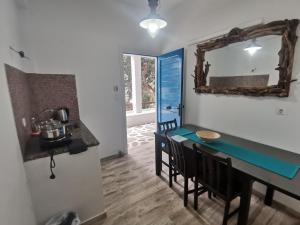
{"x": 139, "y": 74}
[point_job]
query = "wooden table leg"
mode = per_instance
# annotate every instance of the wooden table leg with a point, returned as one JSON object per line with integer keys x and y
{"x": 158, "y": 156}
{"x": 269, "y": 196}
{"x": 245, "y": 201}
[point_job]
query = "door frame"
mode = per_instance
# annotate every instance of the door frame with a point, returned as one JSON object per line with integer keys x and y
{"x": 122, "y": 93}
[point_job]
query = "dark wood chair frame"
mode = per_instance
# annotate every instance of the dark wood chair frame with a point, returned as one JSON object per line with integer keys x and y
{"x": 164, "y": 127}
{"x": 210, "y": 178}
{"x": 180, "y": 166}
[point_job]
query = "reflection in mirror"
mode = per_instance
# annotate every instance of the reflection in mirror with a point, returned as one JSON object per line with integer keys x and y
{"x": 234, "y": 66}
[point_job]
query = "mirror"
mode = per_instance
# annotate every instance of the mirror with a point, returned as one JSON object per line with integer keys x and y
{"x": 233, "y": 66}
{"x": 254, "y": 61}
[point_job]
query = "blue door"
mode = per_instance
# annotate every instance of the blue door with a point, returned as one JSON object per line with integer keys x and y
{"x": 169, "y": 86}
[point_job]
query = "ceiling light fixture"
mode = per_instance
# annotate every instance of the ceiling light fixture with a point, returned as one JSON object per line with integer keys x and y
{"x": 153, "y": 22}
{"x": 253, "y": 47}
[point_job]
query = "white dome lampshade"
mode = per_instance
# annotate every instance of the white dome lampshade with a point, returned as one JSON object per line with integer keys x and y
{"x": 153, "y": 22}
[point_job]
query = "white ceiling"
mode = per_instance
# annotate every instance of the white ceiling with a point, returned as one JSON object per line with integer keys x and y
{"x": 21, "y": 3}
{"x": 165, "y": 5}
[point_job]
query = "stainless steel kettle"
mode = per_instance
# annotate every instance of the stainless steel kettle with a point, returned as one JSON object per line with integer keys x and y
{"x": 62, "y": 115}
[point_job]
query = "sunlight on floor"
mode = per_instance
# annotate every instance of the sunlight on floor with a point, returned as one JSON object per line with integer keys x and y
{"x": 140, "y": 135}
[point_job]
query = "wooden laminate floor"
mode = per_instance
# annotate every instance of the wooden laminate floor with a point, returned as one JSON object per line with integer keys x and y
{"x": 134, "y": 195}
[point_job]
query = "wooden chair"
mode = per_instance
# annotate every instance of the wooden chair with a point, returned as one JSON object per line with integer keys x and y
{"x": 167, "y": 126}
{"x": 217, "y": 176}
{"x": 185, "y": 164}
{"x": 164, "y": 127}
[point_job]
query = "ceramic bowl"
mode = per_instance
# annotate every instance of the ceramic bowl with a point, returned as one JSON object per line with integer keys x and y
{"x": 208, "y": 136}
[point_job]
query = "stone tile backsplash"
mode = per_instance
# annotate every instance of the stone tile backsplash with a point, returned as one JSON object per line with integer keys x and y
{"x": 32, "y": 93}
{"x": 20, "y": 96}
{"x": 53, "y": 91}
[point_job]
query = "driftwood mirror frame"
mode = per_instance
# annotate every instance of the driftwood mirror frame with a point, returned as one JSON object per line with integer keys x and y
{"x": 286, "y": 28}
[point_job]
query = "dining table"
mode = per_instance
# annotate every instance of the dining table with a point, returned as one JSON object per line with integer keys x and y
{"x": 250, "y": 173}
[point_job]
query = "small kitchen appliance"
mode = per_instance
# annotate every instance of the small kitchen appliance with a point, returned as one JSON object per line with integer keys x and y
{"x": 62, "y": 115}
{"x": 52, "y": 129}
{"x": 54, "y": 134}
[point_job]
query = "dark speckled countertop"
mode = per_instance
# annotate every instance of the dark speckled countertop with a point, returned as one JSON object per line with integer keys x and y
{"x": 80, "y": 131}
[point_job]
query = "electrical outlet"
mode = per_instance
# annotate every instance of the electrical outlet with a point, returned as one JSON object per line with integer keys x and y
{"x": 281, "y": 112}
{"x": 116, "y": 88}
{"x": 24, "y": 123}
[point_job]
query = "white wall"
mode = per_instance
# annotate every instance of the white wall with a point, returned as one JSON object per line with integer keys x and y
{"x": 67, "y": 36}
{"x": 87, "y": 38}
{"x": 248, "y": 117}
{"x": 15, "y": 205}
{"x": 77, "y": 186}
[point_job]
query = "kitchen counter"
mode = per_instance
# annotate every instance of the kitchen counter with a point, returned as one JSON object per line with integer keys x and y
{"x": 35, "y": 151}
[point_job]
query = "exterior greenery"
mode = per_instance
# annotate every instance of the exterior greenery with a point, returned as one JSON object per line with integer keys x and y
{"x": 148, "y": 82}
{"x": 147, "y": 79}
{"x": 128, "y": 81}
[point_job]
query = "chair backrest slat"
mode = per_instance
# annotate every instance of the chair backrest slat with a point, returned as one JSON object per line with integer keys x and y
{"x": 218, "y": 176}
{"x": 176, "y": 150}
{"x": 166, "y": 126}
{"x": 216, "y": 172}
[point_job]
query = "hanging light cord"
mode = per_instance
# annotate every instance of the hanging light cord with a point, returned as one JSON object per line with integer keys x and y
{"x": 158, "y": 5}
{"x": 153, "y": 4}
